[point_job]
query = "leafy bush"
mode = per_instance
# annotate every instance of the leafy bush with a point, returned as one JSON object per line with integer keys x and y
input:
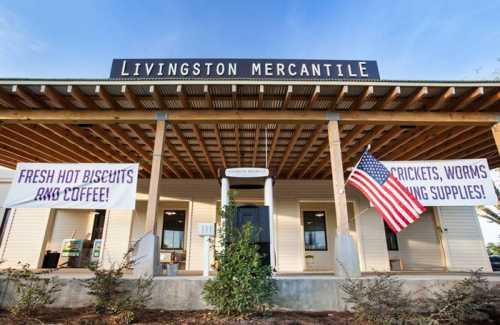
{"x": 114, "y": 295}
{"x": 33, "y": 291}
{"x": 242, "y": 284}
{"x": 379, "y": 301}
{"x": 470, "y": 301}
{"x": 383, "y": 301}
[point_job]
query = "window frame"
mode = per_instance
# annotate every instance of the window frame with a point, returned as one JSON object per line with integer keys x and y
{"x": 165, "y": 229}
{"x": 325, "y": 249}
{"x": 388, "y": 241}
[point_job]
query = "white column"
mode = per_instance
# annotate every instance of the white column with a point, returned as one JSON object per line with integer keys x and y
{"x": 224, "y": 192}
{"x": 268, "y": 201}
{"x": 206, "y": 255}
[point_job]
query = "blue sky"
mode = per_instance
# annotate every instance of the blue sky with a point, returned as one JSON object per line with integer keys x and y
{"x": 409, "y": 39}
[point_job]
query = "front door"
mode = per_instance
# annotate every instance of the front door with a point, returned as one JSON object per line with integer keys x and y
{"x": 258, "y": 217}
{"x": 318, "y": 224}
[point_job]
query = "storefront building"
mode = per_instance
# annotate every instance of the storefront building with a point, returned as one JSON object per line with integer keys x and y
{"x": 191, "y": 125}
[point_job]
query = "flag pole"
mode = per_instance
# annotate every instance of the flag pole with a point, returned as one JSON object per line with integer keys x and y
{"x": 368, "y": 147}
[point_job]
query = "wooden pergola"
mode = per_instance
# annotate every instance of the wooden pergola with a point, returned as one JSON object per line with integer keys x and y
{"x": 216, "y": 125}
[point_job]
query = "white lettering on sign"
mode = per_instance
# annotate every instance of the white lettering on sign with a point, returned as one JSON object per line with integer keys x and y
{"x": 446, "y": 182}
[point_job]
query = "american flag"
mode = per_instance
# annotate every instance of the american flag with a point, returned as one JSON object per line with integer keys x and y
{"x": 391, "y": 199}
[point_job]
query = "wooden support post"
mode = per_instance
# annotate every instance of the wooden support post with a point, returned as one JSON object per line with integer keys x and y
{"x": 156, "y": 172}
{"x": 147, "y": 248}
{"x": 496, "y": 135}
{"x": 346, "y": 256}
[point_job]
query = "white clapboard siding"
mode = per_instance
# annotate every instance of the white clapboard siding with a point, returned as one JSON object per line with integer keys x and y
{"x": 116, "y": 237}
{"x": 70, "y": 223}
{"x": 419, "y": 245}
{"x": 463, "y": 239}
{"x": 371, "y": 241}
{"x": 25, "y": 237}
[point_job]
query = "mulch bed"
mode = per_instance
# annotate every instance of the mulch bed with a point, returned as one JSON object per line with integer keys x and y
{"x": 85, "y": 316}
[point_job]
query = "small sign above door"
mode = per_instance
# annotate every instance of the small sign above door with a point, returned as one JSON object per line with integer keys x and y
{"x": 246, "y": 172}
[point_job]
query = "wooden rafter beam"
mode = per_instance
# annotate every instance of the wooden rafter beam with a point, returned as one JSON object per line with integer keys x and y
{"x": 17, "y": 154}
{"x": 468, "y": 98}
{"x": 462, "y": 144}
{"x": 261, "y": 97}
{"x": 82, "y": 98}
{"x": 401, "y": 141}
{"x": 441, "y": 100}
{"x": 56, "y": 97}
{"x": 360, "y": 100}
{"x": 314, "y": 97}
{"x": 141, "y": 134}
{"x": 28, "y": 96}
{"x": 178, "y": 133}
{"x": 316, "y": 157}
{"x": 28, "y": 147}
{"x": 132, "y": 97}
{"x": 9, "y": 99}
{"x": 343, "y": 91}
{"x": 295, "y": 137}
{"x": 486, "y": 102}
{"x": 312, "y": 140}
{"x": 219, "y": 144}
{"x": 106, "y": 137}
{"x": 255, "y": 146}
{"x": 352, "y": 135}
{"x": 208, "y": 97}
{"x": 423, "y": 138}
{"x": 287, "y": 117}
{"x": 234, "y": 96}
{"x": 387, "y": 137}
{"x": 106, "y": 97}
{"x": 157, "y": 97}
{"x": 50, "y": 142}
{"x": 286, "y": 99}
{"x": 444, "y": 138}
{"x": 83, "y": 140}
{"x": 366, "y": 140}
{"x": 139, "y": 151}
{"x": 274, "y": 143}
{"x": 388, "y": 99}
{"x": 181, "y": 93}
{"x": 409, "y": 101}
{"x": 238, "y": 149}
{"x": 203, "y": 146}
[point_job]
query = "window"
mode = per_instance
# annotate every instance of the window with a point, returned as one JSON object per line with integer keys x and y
{"x": 391, "y": 238}
{"x": 173, "y": 229}
{"x": 315, "y": 231}
{"x": 98, "y": 227}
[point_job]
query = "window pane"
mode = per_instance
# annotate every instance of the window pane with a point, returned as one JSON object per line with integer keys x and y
{"x": 391, "y": 238}
{"x": 315, "y": 230}
{"x": 173, "y": 229}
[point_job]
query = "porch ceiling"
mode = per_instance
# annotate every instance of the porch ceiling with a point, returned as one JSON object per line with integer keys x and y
{"x": 198, "y": 150}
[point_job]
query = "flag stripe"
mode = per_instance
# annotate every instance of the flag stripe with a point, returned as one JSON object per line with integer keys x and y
{"x": 409, "y": 209}
{"x": 394, "y": 207}
{"x": 392, "y": 212}
{"x": 409, "y": 198}
{"x": 378, "y": 207}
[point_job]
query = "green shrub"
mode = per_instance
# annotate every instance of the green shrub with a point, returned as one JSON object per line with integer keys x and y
{"x": 33, "y": 290}
{"x": 242, "y": 284}
{"x": 114, "y": 295}
{"x": 379, "y": 301}
{"x": 470, "y": 301}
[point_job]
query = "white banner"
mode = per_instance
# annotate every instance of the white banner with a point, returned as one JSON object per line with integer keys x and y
{"x": 446, "y": 182}
{"x": 73, "y": 186}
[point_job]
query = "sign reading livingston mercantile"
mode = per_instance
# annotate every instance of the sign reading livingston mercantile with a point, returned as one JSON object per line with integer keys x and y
{"x": 246, "y": 69}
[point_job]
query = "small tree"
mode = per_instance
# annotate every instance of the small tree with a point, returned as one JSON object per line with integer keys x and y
{"x": 33, "y": 290}
{"x": 114, "y": 295}
{"x": 242, "y": 284}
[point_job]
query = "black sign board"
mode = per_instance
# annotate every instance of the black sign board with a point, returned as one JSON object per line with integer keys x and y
{"x": 246, "y": 69}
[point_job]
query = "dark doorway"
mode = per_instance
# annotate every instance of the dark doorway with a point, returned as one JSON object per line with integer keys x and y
{"x": 258, "y": 216}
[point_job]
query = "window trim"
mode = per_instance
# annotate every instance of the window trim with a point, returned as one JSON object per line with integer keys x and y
{"x": 324, "y": 230}
{"x": 163, "y": 229}
{"x": 387, "y": 231}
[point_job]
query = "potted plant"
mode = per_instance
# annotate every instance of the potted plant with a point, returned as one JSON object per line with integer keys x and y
{"x": 172, "y": 265}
